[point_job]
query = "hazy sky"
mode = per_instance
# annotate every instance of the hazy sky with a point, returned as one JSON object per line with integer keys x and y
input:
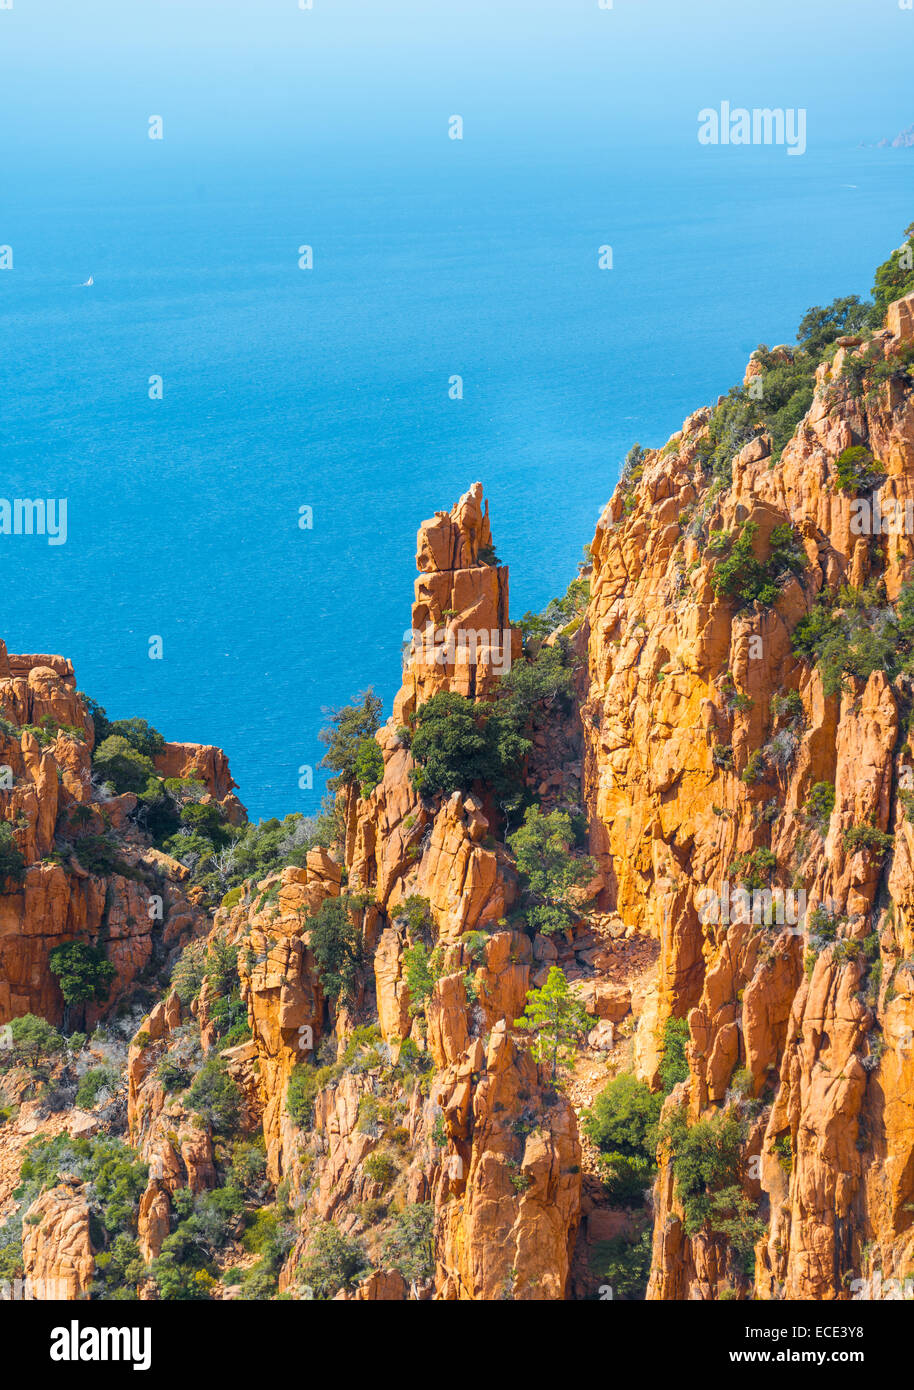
{"x": 375, "y": 73}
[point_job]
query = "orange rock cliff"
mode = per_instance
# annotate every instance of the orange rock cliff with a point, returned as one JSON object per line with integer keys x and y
{"x": 681, "y": 823}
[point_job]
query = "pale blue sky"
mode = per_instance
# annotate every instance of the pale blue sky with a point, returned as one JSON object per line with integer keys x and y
{"x": 530, "y": 72}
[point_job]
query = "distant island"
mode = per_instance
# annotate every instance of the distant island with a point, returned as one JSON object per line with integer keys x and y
{"x": 904, "y": 140}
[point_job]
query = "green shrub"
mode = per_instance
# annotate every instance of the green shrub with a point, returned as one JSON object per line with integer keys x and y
{"x": 33, "y": 1038}
{"x": 336, "y": 943}
{"x": 842, "y": 318}
{"x": 12, "y": 864}
{"x": 215, "y": 1095}
{"x": 449, "y": 745}
{"x": 894, "y": 280}
{"x": 554, "y": 877}
{"x": 822, "y": 924}
{"x": 187, "y": 975}
{"x": 854, "y": 470}
{"x": 141, "y": 736}
{"x": 83, "y": 973}
{"x": 622, "y": 1124}
{"x": 173, "y": 1075}
{"x": 98, "y": 854}
{"x": 624, "y": 1264}
{"x": 408, "y": 1245}
{"x": 332, "y": 1262}
{"x": 673, "y": 1064}
{"x": 705, "y": 1158}
{"x": 380, "y": 1168}
{"x": 853, "y": 632}
{"x": 269, "y": 1235}
{"x": 868, "y": 838}
{"x": 747, "y": 579}
{"x": 304, "y": 1083}
{"x": 114, "y": 1176}
{"x": 118, "y": 1270}
{"x": 819, "y": 805}
{"x": 419, "y": 975}
{"x": 559, "y": 613}
{"x": 753, "y": 870}
{"x": 369, "y": 765}
{"x": 249, "y": 1164}
{"x": 94, "y": 1083}
{"x": 754, "y": 770}
{"x": 865, "y": 375}
{"x": 788, "y": 706}
{"x": 556, "y": 1020}
{"x": 118, "y": 762}
{"x": 346, "y": 736}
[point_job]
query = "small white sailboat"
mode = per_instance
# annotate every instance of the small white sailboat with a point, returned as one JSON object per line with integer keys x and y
{"x": 86, "y": 283}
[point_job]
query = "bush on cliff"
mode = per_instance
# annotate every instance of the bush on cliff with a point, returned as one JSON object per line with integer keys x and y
{"x": 189, "y": 969}
{"x": 706, "y": 1167}
{"x": 819, "y": 805}
{"x": 98, "y": 854}
{"x": 867, "y": 838}
{"x": 544, "y": 683}
{"x": 98, "y": 1083}
{"x": 215, "y": 1096}
{"x": 622, "y": 1123}
{"x": 674, "y": 1066}
{"x": 894, "y": 279}
{"x": 33, "y": 1039}
{"x": 558, "y": 613}
{"x": 421, "y": 969}
{"x": 369, "y": 765}
{"x": 350, "y": 728}
{"x": 304, "y": 1083}
{"x": 449, "y": 745}
{"x": 119, "y": 763}
{"x": 83, "y": 973}
{"x": 336, "y": 942}
{"x": 855, "y": 471}
{"x": 332, "y": 1262}
{"x": 409, "y": 1244}
{"x": 748, "y": 579}
{"x": 624, "y": 1263}
{"x": 12, "y": 864}
{"x": 776, "y": 400}
{"x": 254, "y": 851}
{"x": 118, "y": 1270}
{"x": 820, "y": 327}
{"x": 849, "y": 633}
{"x": 555, "y": 879}
{"x": 114, "y": 1178}
{"x": 753, "y": 870}
{"x": 457, "y": 743}
{"x": 556, "y": 1021}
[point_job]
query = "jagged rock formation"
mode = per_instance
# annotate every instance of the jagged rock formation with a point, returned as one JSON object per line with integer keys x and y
{"x": 459, "y": 592}
{"x": 678, "y": 707}
{"x": 56, "y": 1246}
{"x": 46, "y": 742}
{"x": 709, "y": 752}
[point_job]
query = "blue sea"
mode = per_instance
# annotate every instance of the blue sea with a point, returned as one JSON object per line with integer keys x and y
{"x": 328, "y": 388}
